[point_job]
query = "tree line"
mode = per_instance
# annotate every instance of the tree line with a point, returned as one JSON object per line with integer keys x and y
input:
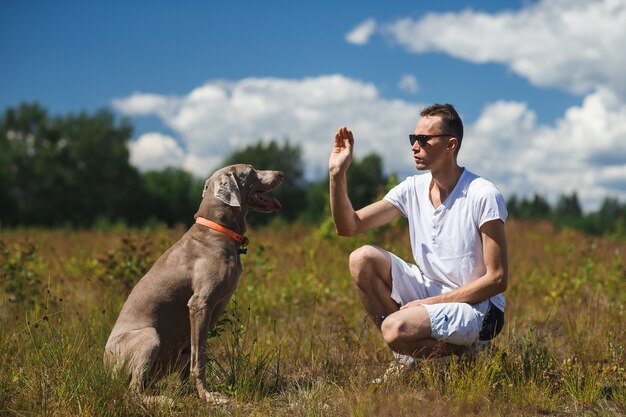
{"x": 609, "y": 219}
{"x": 74, "y": 171}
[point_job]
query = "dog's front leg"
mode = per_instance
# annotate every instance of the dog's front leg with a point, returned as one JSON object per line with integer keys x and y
{"x": 199, "y": 316}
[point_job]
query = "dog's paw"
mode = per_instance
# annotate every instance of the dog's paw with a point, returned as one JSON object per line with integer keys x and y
{"x": 216, "y": 398}
{"x": 158, "y": 400}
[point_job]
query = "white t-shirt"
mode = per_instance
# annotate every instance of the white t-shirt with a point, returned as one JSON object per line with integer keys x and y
{"x": 446, "y": 242}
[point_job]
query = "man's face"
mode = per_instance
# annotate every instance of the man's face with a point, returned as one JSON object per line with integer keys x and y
{"x": 428, "y": 156}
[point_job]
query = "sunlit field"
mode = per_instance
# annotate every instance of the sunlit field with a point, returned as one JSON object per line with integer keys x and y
{"x": 295, "y": 341}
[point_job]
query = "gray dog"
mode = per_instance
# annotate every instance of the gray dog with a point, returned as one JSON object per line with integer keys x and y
{"x": 164, "y": 323}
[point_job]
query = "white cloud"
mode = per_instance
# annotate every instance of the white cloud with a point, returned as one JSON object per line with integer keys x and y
{"x": 220, "y": 116}
{"x": 569, "y": 44}
{"x": 154, "y": 151}
{"x": 197, "y": 165}
{"x": 408, "y": 83}
{"x": 141, "y": 104}
{"x": 584, "y": 151}
{"x": 361, "y": 34}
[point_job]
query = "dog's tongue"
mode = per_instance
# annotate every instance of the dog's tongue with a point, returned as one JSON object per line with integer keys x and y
{"x": 270, "y": 203}
{"x": 274, "y": 203}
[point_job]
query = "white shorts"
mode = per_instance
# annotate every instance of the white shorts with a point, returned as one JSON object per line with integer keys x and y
{"x": 455, "y": 323}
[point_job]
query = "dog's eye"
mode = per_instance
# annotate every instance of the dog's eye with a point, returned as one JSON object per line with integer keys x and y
{"x": 244, "y": 177}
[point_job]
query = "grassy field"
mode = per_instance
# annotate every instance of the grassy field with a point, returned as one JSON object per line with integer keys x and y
{"x": 295, "y": 341}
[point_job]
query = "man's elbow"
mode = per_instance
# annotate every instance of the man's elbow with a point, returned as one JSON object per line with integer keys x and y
{"x": 344, "y": 232}
{"x": 347, "y": 228}
{"x": 501, "y": 281}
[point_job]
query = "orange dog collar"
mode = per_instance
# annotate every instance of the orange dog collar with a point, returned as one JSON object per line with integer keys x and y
{"x": 241, "y": 239}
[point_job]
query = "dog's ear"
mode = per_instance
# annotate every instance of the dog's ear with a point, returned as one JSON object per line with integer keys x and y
{"x": 227, "y": 190}
{"x": 206, "y": 186}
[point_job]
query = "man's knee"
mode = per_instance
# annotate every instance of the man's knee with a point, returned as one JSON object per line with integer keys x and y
{"x": 393, "y": 331}
{"x": 406, "y": 328}
{"x": 362, "y": 262}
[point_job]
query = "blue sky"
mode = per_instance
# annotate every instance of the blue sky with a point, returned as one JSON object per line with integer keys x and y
{"x": 539, "y": 84}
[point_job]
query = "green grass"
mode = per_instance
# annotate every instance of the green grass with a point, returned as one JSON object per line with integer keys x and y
{"x": 295, "y": 341}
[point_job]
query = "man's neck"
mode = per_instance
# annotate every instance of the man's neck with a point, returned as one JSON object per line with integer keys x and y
{"x": 444, "y": 181}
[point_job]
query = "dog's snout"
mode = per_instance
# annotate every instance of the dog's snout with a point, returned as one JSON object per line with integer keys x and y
{"x": 271, "y": 176}
{"x": 279, "y": 177}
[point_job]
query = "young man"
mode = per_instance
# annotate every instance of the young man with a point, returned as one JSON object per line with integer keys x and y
{"x": 453, "y": 297}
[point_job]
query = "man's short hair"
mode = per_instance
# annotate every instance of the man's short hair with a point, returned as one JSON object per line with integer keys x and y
{"x": 451, "y": 122}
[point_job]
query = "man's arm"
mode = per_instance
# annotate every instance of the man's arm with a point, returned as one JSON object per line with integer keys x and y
{"x": 349, "y": 222}
{"x": 494, "y": 281}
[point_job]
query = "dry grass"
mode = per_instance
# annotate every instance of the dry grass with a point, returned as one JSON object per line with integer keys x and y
{"x": 295, "y": 340}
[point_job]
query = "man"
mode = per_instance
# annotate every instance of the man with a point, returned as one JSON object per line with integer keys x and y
{"x": 453, "y": 297}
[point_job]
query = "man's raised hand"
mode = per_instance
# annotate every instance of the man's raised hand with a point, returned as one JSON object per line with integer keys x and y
{"x": 341, "y": 154}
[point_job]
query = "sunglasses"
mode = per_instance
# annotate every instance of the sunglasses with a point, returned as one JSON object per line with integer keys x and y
{"x": 423, "y": 139}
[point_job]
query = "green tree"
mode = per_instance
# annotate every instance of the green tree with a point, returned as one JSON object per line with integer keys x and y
{"x": 536, "y": 208}
{"x": 366, "y": 180}
{"x": 172, "y": 195}
{"x": 568, "y": 208}
{"x": 610, "y": 211}
{"x": 608, "y": 219}
{"x": 65, "y": 170}
{"x": 568, "y": 213}
{"x": 513, "y": 206}
{"x": 317, "y": 202}
{"x": 366, "y": 184}
{"x": 24, "y": 141}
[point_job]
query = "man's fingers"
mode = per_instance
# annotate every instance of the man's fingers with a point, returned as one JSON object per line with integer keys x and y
{"x": 344, "y": 137}
{"x": 347, "y": 134}
{"x": 344, "y": 132}
{"x": 338, "y": 140}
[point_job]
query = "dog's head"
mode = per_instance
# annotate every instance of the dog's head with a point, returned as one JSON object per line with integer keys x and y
{"x": 241, "y": 186}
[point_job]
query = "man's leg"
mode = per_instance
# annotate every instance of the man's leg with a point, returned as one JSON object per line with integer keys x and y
{"x": 409, "y": 332}
{"x": 370, "y": 267}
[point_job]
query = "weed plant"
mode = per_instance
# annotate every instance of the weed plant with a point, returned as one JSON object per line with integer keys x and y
{"x": 295, "y": 341}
